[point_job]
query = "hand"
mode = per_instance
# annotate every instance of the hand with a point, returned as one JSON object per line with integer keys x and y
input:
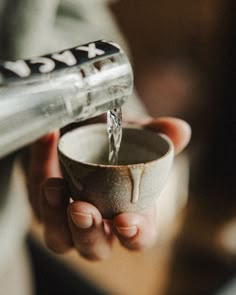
{"x": 79, "y": 224}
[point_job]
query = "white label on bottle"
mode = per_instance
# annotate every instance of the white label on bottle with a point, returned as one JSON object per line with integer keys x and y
{"x": 47, "y": 66}
{"x": 66, "y": 57}
{"x": 92, "y": 50}
{"x": 18, "y": 67}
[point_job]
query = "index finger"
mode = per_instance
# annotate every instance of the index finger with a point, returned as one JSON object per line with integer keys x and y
{"x": 178, "y": 130}
{"x": 43, "y": 164}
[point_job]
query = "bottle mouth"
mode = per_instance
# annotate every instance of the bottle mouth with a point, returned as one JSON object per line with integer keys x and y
{"x": 103, "y": 85}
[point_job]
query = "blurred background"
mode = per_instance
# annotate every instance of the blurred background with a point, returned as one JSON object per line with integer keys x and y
{"x": 183, "y": 54}
{"x": 184, "y": 61}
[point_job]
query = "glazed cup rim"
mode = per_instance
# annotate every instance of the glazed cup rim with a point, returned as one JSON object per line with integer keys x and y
{"x": 106, "y": 166}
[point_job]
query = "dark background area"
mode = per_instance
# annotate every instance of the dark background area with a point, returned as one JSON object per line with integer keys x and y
{"x": 186, "y": 50}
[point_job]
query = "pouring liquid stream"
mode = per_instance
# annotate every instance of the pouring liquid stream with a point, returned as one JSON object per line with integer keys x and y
{"x": 114, "y": 130}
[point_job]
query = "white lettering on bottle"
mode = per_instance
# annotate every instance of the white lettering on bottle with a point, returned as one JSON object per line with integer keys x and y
{"x": 19, "y": 67}
{"x": 66, "y": 57}
{"x": 47, "y": 66}
{"x": 92, "y": 50}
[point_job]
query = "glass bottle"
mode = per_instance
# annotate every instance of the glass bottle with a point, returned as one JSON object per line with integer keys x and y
{"x": 41, "y": 94}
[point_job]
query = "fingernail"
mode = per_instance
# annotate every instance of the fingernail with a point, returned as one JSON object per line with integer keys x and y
{"x": 54, "y": 196}
{"x": 81, "y": 220}
{"x": 127, "y": 232}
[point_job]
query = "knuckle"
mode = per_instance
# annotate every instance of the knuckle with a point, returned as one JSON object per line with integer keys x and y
{"x": 94, "y": 255}
{"x": 85, "y": 241}
{"x": 89, "y": 255}
{"x": 136, "y": 244}
{"x": 56, "y": 243}
{"x": 93, "y": 248}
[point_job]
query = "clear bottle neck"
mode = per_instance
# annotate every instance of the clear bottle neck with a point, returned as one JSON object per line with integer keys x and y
{"x": 35, "y": 105}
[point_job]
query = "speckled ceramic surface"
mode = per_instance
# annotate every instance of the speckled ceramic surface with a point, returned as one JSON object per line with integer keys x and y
{"x": 145, "y": 160}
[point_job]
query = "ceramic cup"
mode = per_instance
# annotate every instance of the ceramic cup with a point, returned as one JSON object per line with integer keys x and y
{"x": 145, "y": 159}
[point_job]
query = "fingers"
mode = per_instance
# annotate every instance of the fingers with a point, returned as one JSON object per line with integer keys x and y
{"x": 43, "y": 164}
{"x": 54, "y": 203}
{"x": 88, "y": 232}
{"x": 44, "y": 160}
{"x": 82, "y": 225}
{"x": 136, "y": 231}
{"x": 177, "y": 130}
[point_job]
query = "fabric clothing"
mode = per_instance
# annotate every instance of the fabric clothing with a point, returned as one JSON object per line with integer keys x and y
{"x": 15, "y": 273}
{"x": 51, "y": 276}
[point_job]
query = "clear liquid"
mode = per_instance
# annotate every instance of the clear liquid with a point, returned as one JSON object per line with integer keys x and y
{"x": 114, "y": 130}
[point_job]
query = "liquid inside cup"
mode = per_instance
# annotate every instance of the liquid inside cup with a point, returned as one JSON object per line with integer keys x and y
{"x": 89, "y": 144}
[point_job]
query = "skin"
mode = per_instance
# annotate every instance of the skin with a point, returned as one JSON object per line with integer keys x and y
{"x": 79, "y": 224}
